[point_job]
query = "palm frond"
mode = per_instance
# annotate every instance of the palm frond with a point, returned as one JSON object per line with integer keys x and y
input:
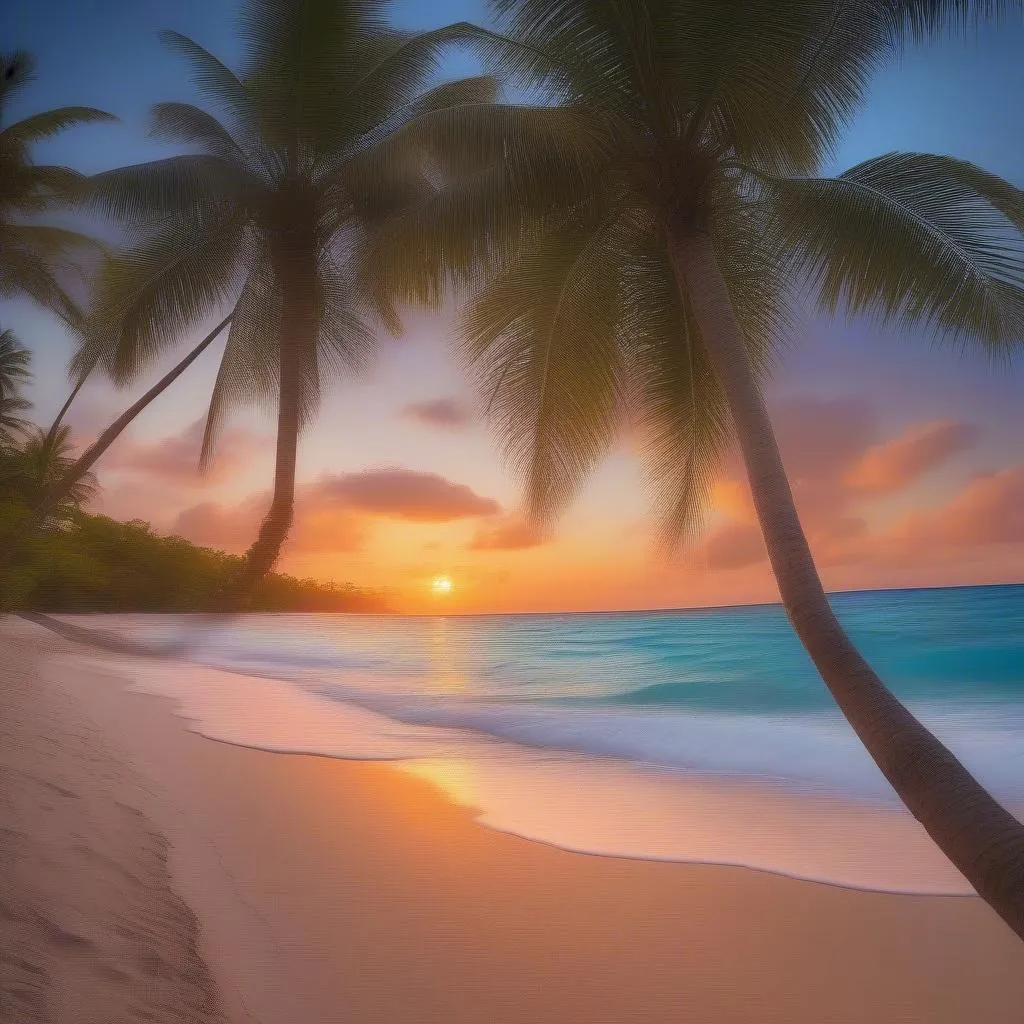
{"x": 301, "y": 56}
{"x": 34, "y": 188}
{"x": 391, "y": 83}
{"x": 60, "y": 245}
{"x": 15, "y": 360}
{"x": 346, "y": 338}
{"x": 188, "y": 124}
{"x": 25, "y": 271}
{"x": 17, "y": 69}
{"x": 11, "y": 424}
{"x": 912, "y": 239}
{"x": 173, "y": 187}
{"x": 248, "y": 370}
{"x": 543, "y": 338}
{"x": 149, "y": 296}
{"x": 38, "y": 127}
{"x": 921, "y": 19}
{"x": 501, "y": 169}
{"x": 216, "y": 80}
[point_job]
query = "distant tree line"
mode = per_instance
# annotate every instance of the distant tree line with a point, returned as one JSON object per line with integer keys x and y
{"x": 91, "y": 563}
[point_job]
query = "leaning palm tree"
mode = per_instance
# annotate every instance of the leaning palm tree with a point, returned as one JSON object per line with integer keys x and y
{"x": 289, "y": 175}
{"x": 649, "y": 251}
{"x": 38, "y": 260}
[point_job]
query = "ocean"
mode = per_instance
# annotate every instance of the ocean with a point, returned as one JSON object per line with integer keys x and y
{"x": 690, "y": 735}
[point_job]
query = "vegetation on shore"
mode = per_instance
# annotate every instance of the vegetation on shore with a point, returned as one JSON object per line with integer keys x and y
{"x": 91, "y": 563}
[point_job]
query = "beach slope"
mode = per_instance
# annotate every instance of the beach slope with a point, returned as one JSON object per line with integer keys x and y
{"x": 328, "y": 891}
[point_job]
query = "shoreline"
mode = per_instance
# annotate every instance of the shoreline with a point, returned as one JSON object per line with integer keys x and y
{"x": 559, "y": 797}
{"x": 328, "y": 890}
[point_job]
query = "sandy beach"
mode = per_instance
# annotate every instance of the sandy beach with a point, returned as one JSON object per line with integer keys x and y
{"x": 153, "y": 874}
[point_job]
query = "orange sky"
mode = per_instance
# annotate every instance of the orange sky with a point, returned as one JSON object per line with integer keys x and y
{"x": 402, "y": 483}
{"x": 907, "y": 458}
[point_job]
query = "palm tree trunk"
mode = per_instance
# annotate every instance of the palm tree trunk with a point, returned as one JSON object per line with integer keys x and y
{"x": 59, "y": 418}
{"x": 983, "y": 840}
{"x": 296, "y": 273}
{"x": 55, "y": 494}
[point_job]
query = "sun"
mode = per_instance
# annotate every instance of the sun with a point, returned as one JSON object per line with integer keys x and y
{"x": 441, "y": 585}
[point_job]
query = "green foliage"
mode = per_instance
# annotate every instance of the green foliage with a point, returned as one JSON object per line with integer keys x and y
{"x": 35, "y": 259}
{"x": 14, "y": 372}
{"x": 95, "y": 564}
{"x": 683, "y": 120}
{"x": 30, "y": 468}
{"x": 296, "y": 160}
{"x": 297, "y": 163}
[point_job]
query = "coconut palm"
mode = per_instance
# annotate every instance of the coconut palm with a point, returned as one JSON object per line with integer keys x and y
{"x": 290, "y": 172}
{"x": 652, "y": 248}
{"x": 14, "y": 372}
{"x": 28, "y": 471}
{"x": 37, "y": 260}
{"x": 11, "y": 423}
{"x": 14, "y": 363}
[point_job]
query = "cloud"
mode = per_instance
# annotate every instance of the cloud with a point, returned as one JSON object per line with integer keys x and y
{"x": 446, "y": 413}
{"x": 234, "y": 527}
{"x": 404, "y": 494}
{"x": 986, "y": 511}
{"x": 228, "y": 527}
{"x": 895, "y": 463}
{"x": 820, "y": 438}
{"x": 733, "y": 546}
{"x": 334, "y": 513}
{"x": 177, "y": 457}
{"x": 835, "y": 462}
{"x": 508, "y": 535}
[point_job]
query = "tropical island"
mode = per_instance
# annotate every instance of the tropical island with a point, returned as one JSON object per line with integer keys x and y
{"x": 648, "y": 288}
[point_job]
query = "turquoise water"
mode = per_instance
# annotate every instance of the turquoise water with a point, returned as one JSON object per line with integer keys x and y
{"x": 699, "y": 735}
{"x": 715, "y": 692}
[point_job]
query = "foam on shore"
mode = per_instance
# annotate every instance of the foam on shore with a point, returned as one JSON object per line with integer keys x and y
{"x": 589, "y": 804}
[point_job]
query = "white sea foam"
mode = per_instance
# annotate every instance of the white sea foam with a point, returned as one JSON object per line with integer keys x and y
{"x": 574, "y": 778}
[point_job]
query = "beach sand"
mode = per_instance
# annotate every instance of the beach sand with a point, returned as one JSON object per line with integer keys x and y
{"x": 327, "y": 891}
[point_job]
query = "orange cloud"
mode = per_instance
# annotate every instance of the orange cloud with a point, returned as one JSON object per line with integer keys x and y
{"x": 231, "y": 528}
{"x": 404, "y": 494}
{"x": 333, "y": 513}
{"x": 446, "y": 413}
{"x": 898, "y": 462}
{"x": 986, "y": 511}
{"x": 177, "y": 457}
{"x": 508, "y": 535}
{"x": 819, "y": 438}
{"x": 733, "y": 546}
{"x": 834, "y": 463}
{"x": 234, "y": 527}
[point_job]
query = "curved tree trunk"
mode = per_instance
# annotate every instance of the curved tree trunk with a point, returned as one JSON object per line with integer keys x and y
{"x": 59, "y": 418}
{"x": 978, "y": 835}
{"x": 294, "y": 265}
{"x": 54, "y": 495}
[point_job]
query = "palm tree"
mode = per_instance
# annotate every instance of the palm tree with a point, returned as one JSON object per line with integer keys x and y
{"x": 38, "y": 260}
{"x": 14, "y": 371}
{"x": 651, "y": 250}
{"x": 14, "y": 363}
{"x": 30, "y": 470}
{"x": 291, "y": 172}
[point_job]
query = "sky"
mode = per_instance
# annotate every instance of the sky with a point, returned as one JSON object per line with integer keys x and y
{"x": 906, "y": 457}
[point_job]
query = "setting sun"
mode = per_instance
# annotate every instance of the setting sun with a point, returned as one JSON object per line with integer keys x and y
{"x": 441, "y": 585}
